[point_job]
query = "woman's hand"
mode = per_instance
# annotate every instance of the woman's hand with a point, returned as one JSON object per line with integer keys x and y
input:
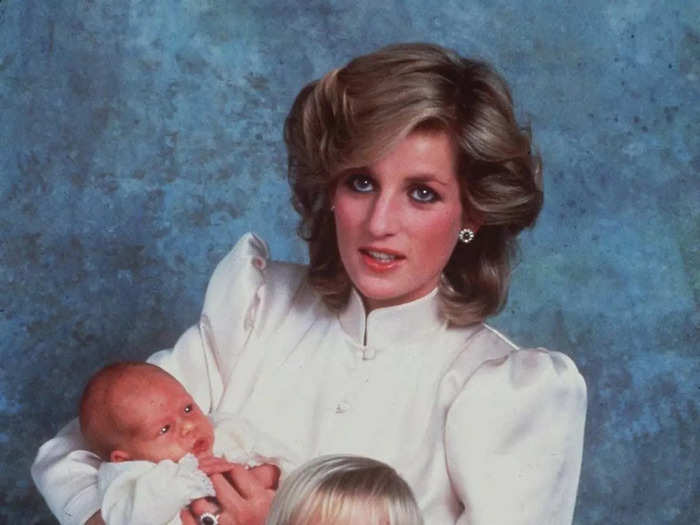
{"x": 244, "y": 496}
{"x": 267, "y": 474}
{"x": 189, "y": 517}
{"x": 214, "y": 465}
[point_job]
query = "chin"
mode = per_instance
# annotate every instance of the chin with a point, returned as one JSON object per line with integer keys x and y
{"x": 374, "y": 292}
{"x": 381, "y": 297}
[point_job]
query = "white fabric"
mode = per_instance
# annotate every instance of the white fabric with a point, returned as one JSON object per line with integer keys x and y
{"x": 143, "y": 492}
{"x": 239, "y": 442}
{"x": 485, "y": 433}
{"x": 147, "y": 493}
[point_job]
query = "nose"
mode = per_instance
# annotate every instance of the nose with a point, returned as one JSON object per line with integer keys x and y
{"x": 383, "y": 215}
{"x": 187, "y": 427}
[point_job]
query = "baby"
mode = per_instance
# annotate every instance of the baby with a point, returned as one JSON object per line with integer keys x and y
{"x": 158, "y": 447}
{"x": 344, "y": 490}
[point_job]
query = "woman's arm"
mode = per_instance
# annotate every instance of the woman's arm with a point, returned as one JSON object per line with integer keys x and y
{"x": 514, "y": 440}
{"x": 66, "y": 474}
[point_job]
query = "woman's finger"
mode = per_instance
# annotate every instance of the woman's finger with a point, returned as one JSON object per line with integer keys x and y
{"x": 244, "y": 481}
{"x": 187, "y": 517}
{"x": 239, "y": 510}
{"x": 212, "y": 465}
{"x": 202, "y": 505}
{"x": 268, "y": 475}
{"x": 227, "y": 496}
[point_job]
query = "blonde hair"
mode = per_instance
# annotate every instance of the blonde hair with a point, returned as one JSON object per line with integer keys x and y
{"x": 344, "y": 490}
{"x": 353, "y": 115}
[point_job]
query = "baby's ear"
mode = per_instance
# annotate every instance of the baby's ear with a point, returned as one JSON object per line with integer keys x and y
{"x": 119, "y": 455}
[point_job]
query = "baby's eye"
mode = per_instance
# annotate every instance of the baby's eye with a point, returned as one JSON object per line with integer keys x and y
{"x": 423, "y": 194}
{"x": 188, "y": 409}
{"x": 164, "y": 429}
{"x": 360, "y": 183}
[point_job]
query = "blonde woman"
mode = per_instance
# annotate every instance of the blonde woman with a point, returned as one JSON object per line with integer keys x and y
{"x": 344, "y": 490}
{"x": 413, "y": 179}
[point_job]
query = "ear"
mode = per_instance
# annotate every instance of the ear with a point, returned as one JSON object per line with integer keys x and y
{"x": 472, "y": 225}
{"x": 472, "y": 221}
{"x": 117, "y": 456}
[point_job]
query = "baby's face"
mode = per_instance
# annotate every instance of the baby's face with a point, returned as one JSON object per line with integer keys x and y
{"x": 165, "y": 422}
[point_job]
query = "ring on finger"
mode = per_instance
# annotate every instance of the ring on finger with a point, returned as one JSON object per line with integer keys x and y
{"x": 209, "y": 519}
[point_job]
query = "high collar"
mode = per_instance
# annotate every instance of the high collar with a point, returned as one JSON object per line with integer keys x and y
{"x": 391, "y": 326}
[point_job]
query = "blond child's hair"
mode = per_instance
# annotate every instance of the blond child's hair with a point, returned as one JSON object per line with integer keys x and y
{"x": 344, "y": 490}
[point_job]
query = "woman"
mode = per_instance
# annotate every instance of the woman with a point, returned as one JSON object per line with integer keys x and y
{"x": 412, "y": 178}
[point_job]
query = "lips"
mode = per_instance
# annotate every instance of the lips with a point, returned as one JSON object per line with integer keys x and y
{"x": 201, "y": 446}
{"x": 381, "y": 260}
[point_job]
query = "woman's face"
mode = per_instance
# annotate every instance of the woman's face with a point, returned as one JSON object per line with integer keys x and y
{"x": 397, "y": 220}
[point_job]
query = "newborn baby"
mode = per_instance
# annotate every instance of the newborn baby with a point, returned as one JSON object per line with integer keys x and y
{"x": 158, "y": 447}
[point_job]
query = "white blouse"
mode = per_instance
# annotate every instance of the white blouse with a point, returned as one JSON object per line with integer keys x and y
{"x": 485, "y": 433}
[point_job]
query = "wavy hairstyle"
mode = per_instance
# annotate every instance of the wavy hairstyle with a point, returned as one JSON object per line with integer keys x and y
{"x": 354, "y": 115}
{"x": 342, "y": 490}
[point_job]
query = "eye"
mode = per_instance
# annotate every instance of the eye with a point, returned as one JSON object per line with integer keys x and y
{"x": 360, "y": 183}
{"x": 164, "y": 429}
{"x": 188, "y": 409}
{"x": 423, "y": 194}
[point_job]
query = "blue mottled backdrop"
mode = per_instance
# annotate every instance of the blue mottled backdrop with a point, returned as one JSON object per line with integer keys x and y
{"x": 140, "y": 138}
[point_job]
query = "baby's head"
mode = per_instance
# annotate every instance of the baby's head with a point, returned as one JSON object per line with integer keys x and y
{"x": 344, "y": 490}
{"x": 135, "y": 411}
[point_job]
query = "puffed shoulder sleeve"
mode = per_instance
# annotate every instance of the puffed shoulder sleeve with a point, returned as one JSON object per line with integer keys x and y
{"x": 66, "y": 475}
{"x": 514, "y": 440}
{"x": 204, "y": 356}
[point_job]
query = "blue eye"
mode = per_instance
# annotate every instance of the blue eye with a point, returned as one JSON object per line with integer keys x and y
{"x": 164, "y": 429}
{"x": 360, "y": 183}
{"x": 423, "y": 194}
{"x": 188, "y": 409}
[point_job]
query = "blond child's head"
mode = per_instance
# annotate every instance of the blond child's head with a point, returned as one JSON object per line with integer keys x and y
{"x": 132, "y": 411}
{"x": 344, "y": 490}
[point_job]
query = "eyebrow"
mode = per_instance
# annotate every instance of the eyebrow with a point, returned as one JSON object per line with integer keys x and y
{"x": 418, "y": 178}
{"x": 424, "y": 178}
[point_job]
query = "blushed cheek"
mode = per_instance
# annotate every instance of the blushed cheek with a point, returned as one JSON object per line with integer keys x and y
{"x": 441, "y": 232}
{"x": 348, "y": 222}
{"x": 441, "y": 244}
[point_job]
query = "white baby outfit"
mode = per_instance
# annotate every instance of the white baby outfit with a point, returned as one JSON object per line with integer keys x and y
{"x": 147, "y": 493}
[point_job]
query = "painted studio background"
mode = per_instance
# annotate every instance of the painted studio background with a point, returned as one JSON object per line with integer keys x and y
{"x": 139, "y": 139}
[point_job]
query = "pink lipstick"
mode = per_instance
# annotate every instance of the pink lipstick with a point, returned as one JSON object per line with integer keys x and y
{"x": 381, "y": 260}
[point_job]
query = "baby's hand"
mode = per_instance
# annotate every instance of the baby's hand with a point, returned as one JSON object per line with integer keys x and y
{"x": 214, "y": 465}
